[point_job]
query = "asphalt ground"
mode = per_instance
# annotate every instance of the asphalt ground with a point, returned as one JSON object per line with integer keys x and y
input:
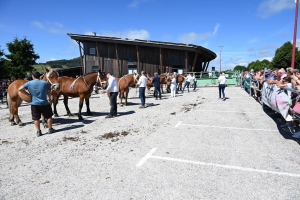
{"x": 193, "y": 146}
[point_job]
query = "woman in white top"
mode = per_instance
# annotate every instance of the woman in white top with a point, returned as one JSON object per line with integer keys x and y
{"x": 222, "y": 85}
{"x": 173, "y": 86}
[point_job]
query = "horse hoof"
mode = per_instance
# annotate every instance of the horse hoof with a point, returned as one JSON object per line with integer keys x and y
{"x": 80, "y": 118}
{"x": 13, "y": 123}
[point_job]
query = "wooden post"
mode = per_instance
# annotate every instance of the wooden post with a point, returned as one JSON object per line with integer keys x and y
{"x": 194, "y": 63}
{"x": 138, "y": 58}
{"x": 160, "y": 61}
{"x": 81, "y": 59}
{"x": 98, "y": 56}
{"x": 186, "y": 61}
{"x": 118, "y": 63}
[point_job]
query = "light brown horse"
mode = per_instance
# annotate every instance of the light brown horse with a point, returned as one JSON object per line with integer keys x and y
{"x": 15, "y": 98}
{"x": 81, "y": 87}
{"x": 181, "y": 78}
{"x": 129, "y": 80}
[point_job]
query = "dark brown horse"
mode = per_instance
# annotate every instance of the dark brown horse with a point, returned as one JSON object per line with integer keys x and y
{"x": 81, "y": 87}
{"x": 15, "y": 98}
{"x": 164, "y": 78}
{"x": 129, "y": 80}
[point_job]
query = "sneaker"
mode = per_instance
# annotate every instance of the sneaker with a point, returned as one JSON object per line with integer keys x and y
{"x": 224, "y": 99}
{"x": 109, "y": 116}
{"x": 38, "y": 133}
{"x": 51, "y": 130}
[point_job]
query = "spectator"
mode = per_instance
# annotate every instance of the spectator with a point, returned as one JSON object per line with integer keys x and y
{"x": 195, "y": 82}
{"x": 173, "y": 86}
{"x": 142, "y": 85}
{"x": 113, "y": 90}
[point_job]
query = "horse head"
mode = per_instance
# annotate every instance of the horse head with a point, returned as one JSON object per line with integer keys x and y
{"x": 51, "y": 77}
{"x": 102, "y": 79}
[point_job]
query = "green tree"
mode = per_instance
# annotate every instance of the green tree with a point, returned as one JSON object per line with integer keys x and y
{"x": 21, "y": 57}
{"x": 283, "y": 56}
{"x": 259, "y": 65}
{"x": 2, "y": 67}
{"x": 239, "y": 68}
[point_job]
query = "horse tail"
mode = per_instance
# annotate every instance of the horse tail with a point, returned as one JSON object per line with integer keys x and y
{"x": 9, "y": 103}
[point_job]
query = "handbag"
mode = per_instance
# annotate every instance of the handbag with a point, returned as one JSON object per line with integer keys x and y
{"x": 296, "y": 108}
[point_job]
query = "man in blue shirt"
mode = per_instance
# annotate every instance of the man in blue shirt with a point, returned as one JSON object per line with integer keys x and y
{"x": 39, "y": 90}
{"x": 156, "y": 84}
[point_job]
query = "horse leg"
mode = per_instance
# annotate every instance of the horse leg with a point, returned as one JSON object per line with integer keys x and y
{"x": 11, "y": 115}
{"x": 126, "y": 96}
{"x": 55, "y": 102}
{"x": 87, "y": 103}
{"x": 44, "y": 122}
{"x": 15, "y": 106}
{"x": 80, "y": 107}
{"x": 66, "y": 106}
{"x": 121, "y": 95}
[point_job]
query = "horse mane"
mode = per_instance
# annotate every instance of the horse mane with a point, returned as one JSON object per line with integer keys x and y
{"x": 89, "y": 73}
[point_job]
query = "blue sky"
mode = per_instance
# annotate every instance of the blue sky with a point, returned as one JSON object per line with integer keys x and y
{"x": 249, "y": 30}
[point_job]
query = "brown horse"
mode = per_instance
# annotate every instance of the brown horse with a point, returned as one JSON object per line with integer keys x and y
{"x": 164, "y": 79}
{"x": 15, "y": 98}
{"x": 129, "y": 80}
{"x": 181, "y": 78}
{"x": 81, "y": 87}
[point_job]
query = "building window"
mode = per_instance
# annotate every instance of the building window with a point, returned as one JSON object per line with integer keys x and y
{"x": 92, "y": 51}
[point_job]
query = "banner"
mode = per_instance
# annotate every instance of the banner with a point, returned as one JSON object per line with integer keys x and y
{"x": 276, "y": 98}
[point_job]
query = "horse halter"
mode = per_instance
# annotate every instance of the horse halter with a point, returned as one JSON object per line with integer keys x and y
{"x": 99, "y": 80}
{"x": 136, "y": 76}
{"x": 48, "y": 80}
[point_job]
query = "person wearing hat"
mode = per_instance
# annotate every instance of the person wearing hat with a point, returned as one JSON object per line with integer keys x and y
{"x": 142, "y": 87}
{"x": 40, "y": 92}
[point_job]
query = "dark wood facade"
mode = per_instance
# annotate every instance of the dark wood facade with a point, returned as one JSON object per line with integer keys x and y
{"x": 118, "y": 55}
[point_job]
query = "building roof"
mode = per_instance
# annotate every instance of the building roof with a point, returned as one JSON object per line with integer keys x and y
{"x": 167, "y": 45}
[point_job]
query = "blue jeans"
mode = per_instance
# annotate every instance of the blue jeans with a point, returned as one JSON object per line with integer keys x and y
{"x": 221, "y": 89}
{"x": 157, "y": 92}
{"x": 187, "y": 84}
{"x": 142, "y": 95}
{"x": 195, "y": 85}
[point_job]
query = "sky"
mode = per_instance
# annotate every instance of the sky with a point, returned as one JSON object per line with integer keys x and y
{"x": 248, "y": 30}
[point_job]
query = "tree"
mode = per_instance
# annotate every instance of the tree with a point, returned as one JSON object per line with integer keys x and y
{"x": 283, "y": 56}
{"x": 21, "y": 57}
{"x": 259, "y": 65}
{"x": 239, "y": 68}
{"x": 2, "y": 67}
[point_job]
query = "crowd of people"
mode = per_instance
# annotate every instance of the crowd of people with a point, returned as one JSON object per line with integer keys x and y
{"x": 3, "y": 88}
{"x": 285, "y": 79}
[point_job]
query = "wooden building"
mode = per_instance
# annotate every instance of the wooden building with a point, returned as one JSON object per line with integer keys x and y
{"x": 123, "y": 56}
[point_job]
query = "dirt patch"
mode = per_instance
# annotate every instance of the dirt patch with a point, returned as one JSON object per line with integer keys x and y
{"x": 115, "y": 136}
{"x": 74, "y": 139}
{"x": 6, "y": 142}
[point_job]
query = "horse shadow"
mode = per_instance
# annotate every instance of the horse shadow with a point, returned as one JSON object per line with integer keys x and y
{"x": 279, "y": 120}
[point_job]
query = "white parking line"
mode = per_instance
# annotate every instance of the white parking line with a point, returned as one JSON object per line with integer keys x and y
{"x": 247, "y": 129}
{"x": 149, "y": 155}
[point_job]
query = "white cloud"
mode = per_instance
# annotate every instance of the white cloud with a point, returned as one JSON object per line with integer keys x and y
{"x": 136, "y": 3}
{"x": 193, "y": 37}
{"x": 269, "y": 7}
{"x": 131, "y": 34}
{"x": 216, "y": 29}
{"x": 52, "y": 27}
